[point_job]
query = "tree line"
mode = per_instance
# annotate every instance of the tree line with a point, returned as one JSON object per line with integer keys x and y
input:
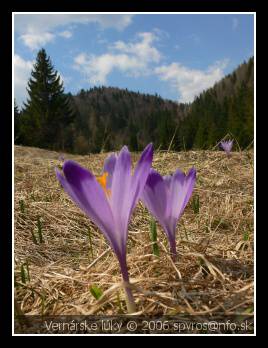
{"x": 105, "y": 118}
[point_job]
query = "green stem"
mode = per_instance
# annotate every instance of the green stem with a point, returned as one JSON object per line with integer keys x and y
{"x": 131, "y": 306}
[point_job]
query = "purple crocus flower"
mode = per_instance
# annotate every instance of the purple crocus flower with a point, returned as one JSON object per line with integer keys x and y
{"x": 166, "y": 198}
{"x": 227, "y": 146}
{"x": 110, "y": 199}
{"x": 61, "y": 157}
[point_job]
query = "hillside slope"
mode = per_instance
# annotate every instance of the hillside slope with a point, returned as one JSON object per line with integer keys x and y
{"x": 105, "y": 118}
{"x": 228, "y": 107}
{"x": 108, "y": 117}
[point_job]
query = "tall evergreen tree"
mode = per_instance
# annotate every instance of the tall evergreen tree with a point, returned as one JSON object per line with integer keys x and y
{"x": 46, "y": 114}
{"x": 17, "y": 137}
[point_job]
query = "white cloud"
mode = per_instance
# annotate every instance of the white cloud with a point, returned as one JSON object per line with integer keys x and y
{"x": 81, "y": 59}
{"x": 191, "y": 82}
{"x": 36, "y": 40}
{"x": 22, "y": 71}
{"x": 235, "y": 23}
{"x": 47, "y": 22}
{"x": 134, "y": 58}
{"x": 97, "y": 68}
{"x": 142, "y": 49}
{"x": 66, "y": 34}
{"x": 36, "y": 30}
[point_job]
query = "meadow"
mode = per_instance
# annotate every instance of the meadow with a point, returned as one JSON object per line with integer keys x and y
{"x": 63, "y": 264}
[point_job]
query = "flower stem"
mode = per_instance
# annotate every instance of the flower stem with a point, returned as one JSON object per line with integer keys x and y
{"x": 131, "y": 306}
{"x": 172, "y": 243}
{"x": 173, "y": 250}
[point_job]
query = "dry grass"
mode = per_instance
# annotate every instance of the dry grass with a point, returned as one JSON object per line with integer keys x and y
{"x": 214, "y": 271}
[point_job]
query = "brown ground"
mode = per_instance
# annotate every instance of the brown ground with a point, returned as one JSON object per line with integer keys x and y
{"x": 214, "y": 271}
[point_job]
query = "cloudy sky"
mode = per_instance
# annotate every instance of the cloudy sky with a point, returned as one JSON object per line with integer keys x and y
{"x": 174, "y": 55}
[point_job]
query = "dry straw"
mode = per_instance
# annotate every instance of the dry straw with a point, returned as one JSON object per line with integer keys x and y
{"x": 214, "y": 270}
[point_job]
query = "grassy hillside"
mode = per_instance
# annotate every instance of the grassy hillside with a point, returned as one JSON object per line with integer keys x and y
{"x": 66, "y": 254}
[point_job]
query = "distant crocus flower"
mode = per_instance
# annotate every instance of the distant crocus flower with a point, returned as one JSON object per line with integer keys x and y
{"x": 109, "y": 200}
{"x": 61, "y": 158}
{"x": 166, "y": 198}
{"x": 227, "y": 146}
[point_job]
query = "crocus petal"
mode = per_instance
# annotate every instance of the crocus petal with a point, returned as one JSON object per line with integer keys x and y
{"x": 167, "y": 179}
{"x": 189, "y": 185}
{"x": 140, "y": 176}
{"x": 176, "y": 198}
{"x": 86, "y": 192}
{"x": 230, "y": 145}
{"x": 175, "y": 189}
{"x": 154, "y": 196}
{"x": 64, "y": 183}
{"x": 227, "y": 145}
{"x": 108, "y": 167}
{"x": 181, "y": 191}
{"x": 120, "y": 190}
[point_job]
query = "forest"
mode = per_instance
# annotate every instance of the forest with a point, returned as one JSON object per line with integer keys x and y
{"x": 104, "y": 118}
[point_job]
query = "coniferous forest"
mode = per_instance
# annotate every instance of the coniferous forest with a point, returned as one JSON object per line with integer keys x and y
{"x": 105, "y": 118}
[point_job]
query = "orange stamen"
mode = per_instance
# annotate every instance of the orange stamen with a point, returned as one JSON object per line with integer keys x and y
{"x": 102, "y": 180}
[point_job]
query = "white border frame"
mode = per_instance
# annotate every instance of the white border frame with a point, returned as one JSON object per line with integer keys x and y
{"x": 13, "y": 158}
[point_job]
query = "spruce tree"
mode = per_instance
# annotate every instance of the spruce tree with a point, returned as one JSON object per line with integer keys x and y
{"x": 16, "y": 123}
{"x": 46, "y": 114}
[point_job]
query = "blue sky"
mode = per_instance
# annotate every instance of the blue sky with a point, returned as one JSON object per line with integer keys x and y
{"x": 174, "y": 55}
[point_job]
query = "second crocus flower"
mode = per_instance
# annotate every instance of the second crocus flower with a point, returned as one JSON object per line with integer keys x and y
{"x": 166, "y": 198}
